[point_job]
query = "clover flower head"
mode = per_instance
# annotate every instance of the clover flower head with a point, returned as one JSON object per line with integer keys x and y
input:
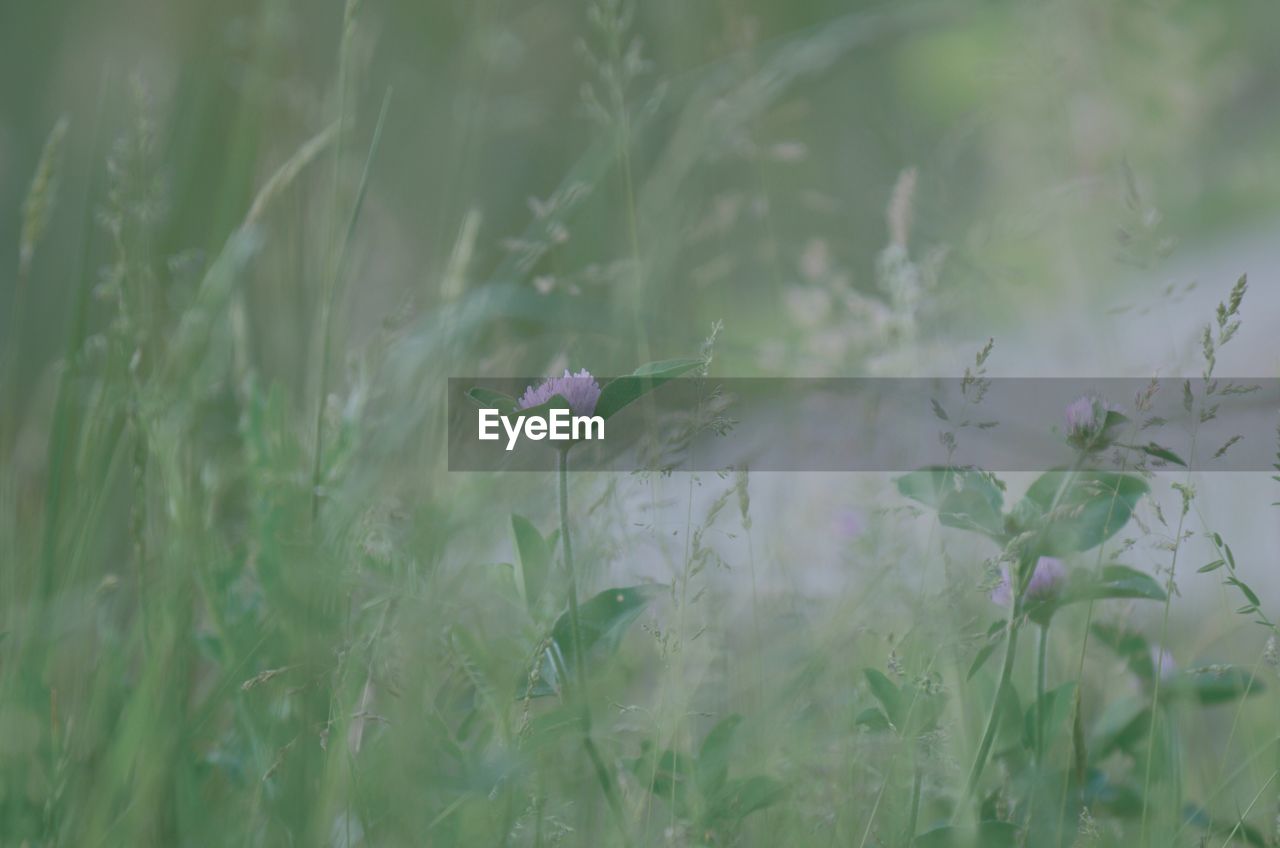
{"x": 850, "y": 523}
{"x": 1046, "y": 582}
{"x": 581, "y": 391}
{"x": 1086, "y": 417}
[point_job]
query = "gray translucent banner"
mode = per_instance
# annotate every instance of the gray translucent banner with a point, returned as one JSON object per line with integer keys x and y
{"x": 889, "y": 424}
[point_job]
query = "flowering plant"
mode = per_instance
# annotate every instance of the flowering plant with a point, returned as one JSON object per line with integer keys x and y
{"x": 586, "y": 632}
{"x": 1092, "y": 423}
{"x": 1045, "y": 583}
{"x": 580, "y": 391}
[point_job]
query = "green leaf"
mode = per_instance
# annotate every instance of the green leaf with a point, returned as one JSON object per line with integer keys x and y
{"x": 1246, "y": 591}
{"x": 1092, "y": 507}
{"x": 712, "y": 767}
{"x": 550, "y": 670}
{"x": 666, "y": 776}
{"x": 1224, "y": 826}
{"x": 1121, "y": 581}
{"x": 995, "y": 636}
{"x": 967, "y": 499}
{"x": 984, "y": 654}
{"x": 873, "y": 719}
{"x": 602, "y": 621}
{"x": 1010, "y": 727}
{"x": 742, "y": 797}
{"x": 1152, "y": 449}
{"x": 1214, "y": 685}
{"x": 667, "y": 368}
{"x": 622, "y": 391}
{"x": 1112, "y": 581}
{"x": 1055, "y": 705}
{"x": 1112, "y": 423}
{"x": 886, "y": 693}
{"x": 988, "y": 834}
{"x": 486, "y": 399}
{"x": 1129, "y": 645}
{"x": 533, "y": 560}
{"x": 1122, "y": 726}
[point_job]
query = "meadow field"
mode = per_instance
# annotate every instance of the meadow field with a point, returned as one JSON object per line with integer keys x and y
{"x": 248, "y": 598}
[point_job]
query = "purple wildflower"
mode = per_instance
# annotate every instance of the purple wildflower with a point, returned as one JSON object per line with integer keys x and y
{"x": 1086, "y": 419}
{"x": 1046, "y": 581}
{"x": 850, "y": 523}
{"x": 1080, "y": 416}
{"x": 581, "y": 391}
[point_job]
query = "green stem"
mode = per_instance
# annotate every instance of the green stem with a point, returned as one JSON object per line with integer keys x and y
{"x": 914, "y": 815}
{"x": 62, "y": 428}
{"x": 334, "y": 280}
{"x": 567, "y": 545}
{"x": 1042, "y": 653}
{"x": 1018, "y": 584}
{"x": 1160, "y": 648}
{"x": 993, "y": 719}
{"x": 603, "y": 774}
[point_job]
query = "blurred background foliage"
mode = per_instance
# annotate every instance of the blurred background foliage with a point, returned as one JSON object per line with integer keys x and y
{"x": 751, "y": 131}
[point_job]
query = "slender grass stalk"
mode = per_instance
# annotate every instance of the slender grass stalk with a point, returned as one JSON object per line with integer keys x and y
{"x": 993, "y": 718}
{"x": 37, "y": 209}
{"x": 1248, "y": 809}
{"x": 567, "y": 546}
{"x": 63, "y": 420}
{"x": 335, "y": 269}
{"x": 1235, "y": 721}
{"x": 579, "y": 689}
{"x": 679, "y": 666}
{"x": 755, "y": 616}
{"x": 913, "y": 816}
{"x": 1160, "y": 648}
{"x": 1038, "y": 737}
{"x": 866, "y": 832}
{"x": 1042, "y": 656}
{"x": 622, "y": 140}
{"x": 330, "y": 295}
{"x": 1228, "y": 779}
